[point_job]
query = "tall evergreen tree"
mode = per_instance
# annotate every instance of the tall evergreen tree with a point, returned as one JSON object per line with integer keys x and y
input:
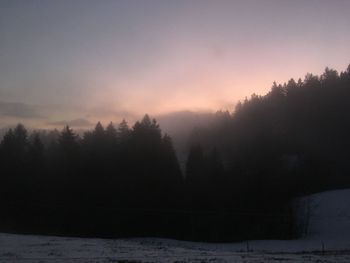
{"x": 124, "y": 131}
{"x": 111, "y": 134}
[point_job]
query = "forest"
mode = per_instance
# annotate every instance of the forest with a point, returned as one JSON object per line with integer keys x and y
{"x": 242, "y": 172}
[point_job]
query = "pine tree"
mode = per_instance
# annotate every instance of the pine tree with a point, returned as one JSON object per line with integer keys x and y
{"x": 68, "y": 145}
{"x": 21, "y": 142}
{"x": 111, "y": 134}
{"x": 124, "y": 131}
{"x": 36, "y": 151}
{"x": 99, "y": 131}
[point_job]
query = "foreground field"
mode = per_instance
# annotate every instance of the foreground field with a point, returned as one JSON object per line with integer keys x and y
{"x": 18, "y": 248}
{"x": 327, "y": 240}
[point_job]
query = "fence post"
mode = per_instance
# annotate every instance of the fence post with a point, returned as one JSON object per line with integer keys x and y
{"x": 323, "y": 249}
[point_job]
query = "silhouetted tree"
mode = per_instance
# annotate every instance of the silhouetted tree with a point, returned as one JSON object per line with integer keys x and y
{"x": 124, "y": 131}
{"x": 242, "y": 172}
{"x": 111, "y": 134}
{"x": 68, "y": 142}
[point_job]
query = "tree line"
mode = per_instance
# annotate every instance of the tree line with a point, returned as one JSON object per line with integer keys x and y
{"x": 241, "y": 176}
{"x": 291, "y": 142}
{"x": 114, "y": 182}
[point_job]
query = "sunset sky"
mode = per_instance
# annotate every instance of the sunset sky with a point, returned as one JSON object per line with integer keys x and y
{"x": 81, "y": 61}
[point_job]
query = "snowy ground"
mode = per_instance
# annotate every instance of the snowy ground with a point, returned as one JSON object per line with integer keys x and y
{"x": 329, "y": 227}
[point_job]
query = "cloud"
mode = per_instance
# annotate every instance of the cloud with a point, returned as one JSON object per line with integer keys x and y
{"x": 105, "y": 112}
{"x": 75, "y": 123}
{"x": 18, "y": 110}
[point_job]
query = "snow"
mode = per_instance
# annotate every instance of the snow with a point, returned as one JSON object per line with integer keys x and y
{"x": 329, "y": 228}
{"x": 330, "y": 216}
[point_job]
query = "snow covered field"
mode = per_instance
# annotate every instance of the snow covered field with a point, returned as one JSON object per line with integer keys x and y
{"x": 329, "y": 227}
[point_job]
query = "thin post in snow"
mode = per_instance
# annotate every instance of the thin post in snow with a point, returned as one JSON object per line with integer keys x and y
{"x": 323, "y": 249}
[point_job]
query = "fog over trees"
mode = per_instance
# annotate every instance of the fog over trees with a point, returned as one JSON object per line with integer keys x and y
{"x": 242, "y": 172}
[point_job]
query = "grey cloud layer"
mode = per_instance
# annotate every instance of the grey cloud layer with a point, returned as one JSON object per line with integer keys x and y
{"x": 19, "y": 110}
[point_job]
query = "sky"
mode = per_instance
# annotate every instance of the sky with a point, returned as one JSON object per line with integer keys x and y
{"x": 76, "y": 62}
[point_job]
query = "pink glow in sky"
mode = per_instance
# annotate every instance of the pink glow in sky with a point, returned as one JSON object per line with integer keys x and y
{"x": 105, "y": 60}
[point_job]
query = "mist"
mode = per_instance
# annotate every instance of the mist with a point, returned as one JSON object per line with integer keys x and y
{"x": 176, "y": 126}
